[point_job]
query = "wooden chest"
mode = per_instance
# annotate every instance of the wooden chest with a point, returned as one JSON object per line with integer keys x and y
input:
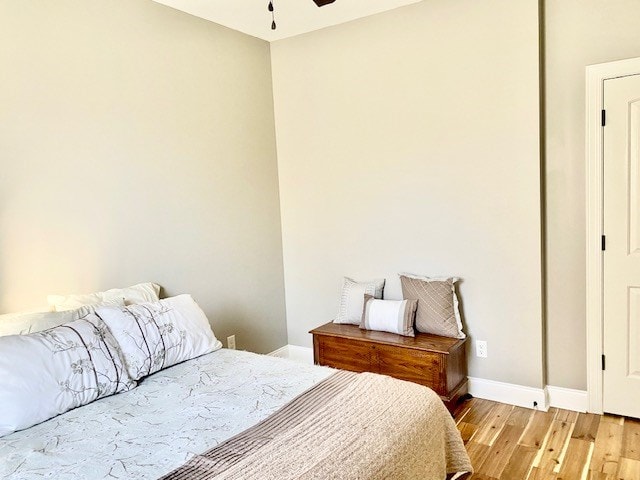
{"x": 437, "y": 362}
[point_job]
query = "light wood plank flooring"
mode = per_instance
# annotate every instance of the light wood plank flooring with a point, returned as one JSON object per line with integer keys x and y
{"x": 514, "y": 443}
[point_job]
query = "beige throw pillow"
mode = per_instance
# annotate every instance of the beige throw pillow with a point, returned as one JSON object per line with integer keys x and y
{"x": 394, "y": 316}
{"x": 437, "y": 311}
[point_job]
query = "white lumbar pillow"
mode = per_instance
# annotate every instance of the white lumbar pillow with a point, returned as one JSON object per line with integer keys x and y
{"x": 48, "y": 373}
{"x": 352, "y": 299}
{"x": 25, "y": 323}
{"x": 157, "y": 335}
{"x": 141, "y": 293}
{"x": 394, "y": 316}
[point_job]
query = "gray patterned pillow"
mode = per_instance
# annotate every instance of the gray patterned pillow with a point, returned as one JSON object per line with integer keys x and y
{"x": 48, "y": 373}
{"x": 438, "y": 311}
{"x": 352, "y": 299}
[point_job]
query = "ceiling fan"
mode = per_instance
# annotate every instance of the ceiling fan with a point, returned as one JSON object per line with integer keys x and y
{"x": 320, "y": 3}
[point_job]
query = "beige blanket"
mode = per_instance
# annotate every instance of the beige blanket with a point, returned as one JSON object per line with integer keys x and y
{"x": 350, "y": 426}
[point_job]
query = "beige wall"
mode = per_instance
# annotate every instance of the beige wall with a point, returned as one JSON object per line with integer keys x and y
{"x": 138, "y": 144}
{"x": 409, "y": 141}
{"x": 578, "y": 33}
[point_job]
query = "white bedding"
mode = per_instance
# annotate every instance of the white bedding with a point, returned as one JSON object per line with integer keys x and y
{"x": 175, "y": 413}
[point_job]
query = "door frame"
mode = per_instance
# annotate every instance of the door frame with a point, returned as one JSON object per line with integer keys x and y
{"x": 595, "y": 77}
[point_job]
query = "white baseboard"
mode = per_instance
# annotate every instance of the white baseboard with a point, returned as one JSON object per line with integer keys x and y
{"x": 567, "y": 398}
{"x": 282, "y": 352}
{"x": 510, "y": 393}
{"x": 296, "y": 353}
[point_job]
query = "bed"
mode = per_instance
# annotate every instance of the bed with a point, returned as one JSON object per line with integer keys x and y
{"x": 129, "y": 386}
{"x": 238, "y": 415}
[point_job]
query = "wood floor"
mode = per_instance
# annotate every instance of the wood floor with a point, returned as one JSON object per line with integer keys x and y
{"x": 514, "y": 443}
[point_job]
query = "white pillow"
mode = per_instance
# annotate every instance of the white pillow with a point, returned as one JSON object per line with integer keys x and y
{"x": 394, "y": 316}
{"x": 25, "y": 323}
{"x": 352, "y": 299}
{"x": 141, "y": 293}
{"x": 48, "y": 373}
{"x": 157, "y": 335}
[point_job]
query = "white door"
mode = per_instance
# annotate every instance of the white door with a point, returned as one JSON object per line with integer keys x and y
{"x": 622, "y": 246}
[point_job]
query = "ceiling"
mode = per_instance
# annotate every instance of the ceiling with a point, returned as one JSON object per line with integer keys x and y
{"x": 293, "y": 17}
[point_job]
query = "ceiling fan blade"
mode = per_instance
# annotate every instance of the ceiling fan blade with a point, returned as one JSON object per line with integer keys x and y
{"x": 322, "y": 3}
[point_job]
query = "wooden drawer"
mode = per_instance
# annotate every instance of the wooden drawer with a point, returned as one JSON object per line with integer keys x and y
{"x": 343, "y": 353}
{"x": 436, "y": 362}
{"x": 425, "y": 368}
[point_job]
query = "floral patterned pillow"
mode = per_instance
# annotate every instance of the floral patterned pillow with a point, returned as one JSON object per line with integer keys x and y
{"x": 48, "y": 373}
{"x": 157, "y": 335}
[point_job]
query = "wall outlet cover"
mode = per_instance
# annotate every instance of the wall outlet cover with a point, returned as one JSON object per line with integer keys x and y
{"x": 481, "y": 349}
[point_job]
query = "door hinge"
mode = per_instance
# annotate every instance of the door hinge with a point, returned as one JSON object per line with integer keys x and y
{"x": 603, "y": 118}
{"x": 603, "y": 362}
{"x": 603, "y": 243}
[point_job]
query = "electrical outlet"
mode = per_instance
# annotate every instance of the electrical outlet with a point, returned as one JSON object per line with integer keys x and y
{"x": 481, "y": 349}
{"x": 231, "y": 342}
